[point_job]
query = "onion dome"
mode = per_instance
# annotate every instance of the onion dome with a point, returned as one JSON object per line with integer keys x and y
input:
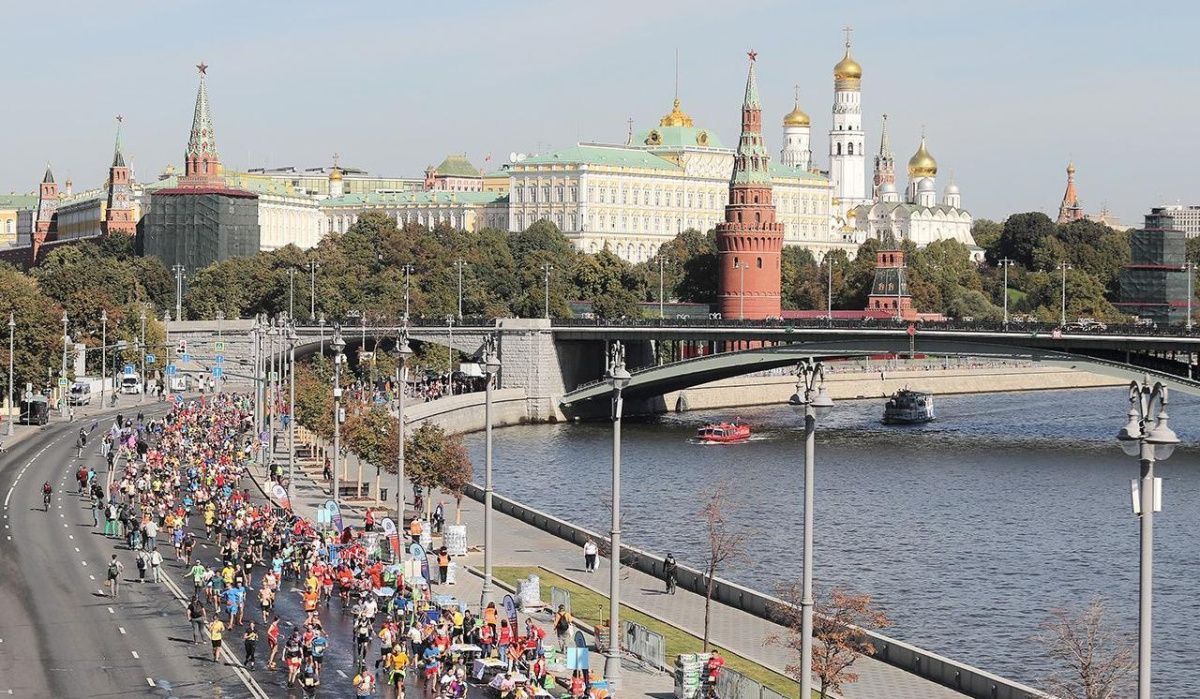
{"x": 847, "y": 73}
{"x": 922, "y": 163}
{"x": 796, "y": 117}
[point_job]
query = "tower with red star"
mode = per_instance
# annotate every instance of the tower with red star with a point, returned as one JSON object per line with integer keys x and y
{"x": 118, "y": 213}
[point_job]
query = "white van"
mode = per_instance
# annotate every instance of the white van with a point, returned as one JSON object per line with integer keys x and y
{"x": 131, "y": 384}
{"x": 81, "y": 394}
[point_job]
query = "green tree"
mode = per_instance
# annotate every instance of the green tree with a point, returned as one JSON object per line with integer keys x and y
{"x": 609, "y": 283}
{"x": 434, "y": 460}
{"x": 1019, "y": 238}
{"x": 985, "y": 232}
{"x": 973, "y": 304}
{"x": 37, "y": 335}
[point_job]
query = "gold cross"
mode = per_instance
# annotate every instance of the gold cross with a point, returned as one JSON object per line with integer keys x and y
{"x": 847, "y": 29}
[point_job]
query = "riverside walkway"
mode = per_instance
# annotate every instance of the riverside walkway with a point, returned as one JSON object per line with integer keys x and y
{"x": 522, "y": 545}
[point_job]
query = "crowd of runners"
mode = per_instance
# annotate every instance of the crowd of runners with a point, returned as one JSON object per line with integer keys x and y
{"x": 179, "y": 491}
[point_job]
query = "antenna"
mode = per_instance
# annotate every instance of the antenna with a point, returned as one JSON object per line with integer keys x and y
{"x": 629, "y": 132}
{"x": 676, "y": 73}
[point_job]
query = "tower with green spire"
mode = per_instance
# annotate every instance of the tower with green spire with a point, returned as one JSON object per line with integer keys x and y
{"x": 750, "y": 240}
{"x": 118, "y": 213}
{"x": 202, "y": 164}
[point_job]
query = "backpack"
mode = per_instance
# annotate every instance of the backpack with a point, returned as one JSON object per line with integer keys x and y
{"x": 113, "y": 571}
{"x": 563, "y": 623}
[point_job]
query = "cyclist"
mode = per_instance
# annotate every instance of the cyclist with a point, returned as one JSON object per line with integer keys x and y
{"x": 47, "y": 489}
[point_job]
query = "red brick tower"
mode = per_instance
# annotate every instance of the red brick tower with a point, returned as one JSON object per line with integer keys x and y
{"x": 118, "y": 214}
{"x": 47, "y": 210}
{"x": 202, "y": 163}
{"x": 749, "y": 240}
{"x": 889, "y": 296}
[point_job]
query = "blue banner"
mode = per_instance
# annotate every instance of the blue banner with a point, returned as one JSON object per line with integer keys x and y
{"x": 335, "y": 515}
{"x": 510, "y": 608}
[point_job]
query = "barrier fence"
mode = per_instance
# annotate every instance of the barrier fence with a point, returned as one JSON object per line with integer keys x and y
{"x": 644, "y": 644}
{"x": 560, "y": 598}
{"x": 732, "y": 685}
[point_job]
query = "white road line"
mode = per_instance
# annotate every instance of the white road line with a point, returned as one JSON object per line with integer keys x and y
{"x": 344, "y": 675}
{"x": 92, "y": 577}
{"x": 110, "y": 610}
{"x": 149, "y": 681}
{"x": 71, "y": 537}
{"x": 77, "y": 550}
{"x": 121, "y": 629}
{"x": 83, "y": 562}
{"x": 134, "y": 654}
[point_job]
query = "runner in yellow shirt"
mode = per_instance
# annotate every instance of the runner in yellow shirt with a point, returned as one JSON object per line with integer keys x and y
{"x": 216, "y": 631}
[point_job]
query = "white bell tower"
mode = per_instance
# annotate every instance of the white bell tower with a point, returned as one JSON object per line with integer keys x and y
{"x": 847, "y": 154}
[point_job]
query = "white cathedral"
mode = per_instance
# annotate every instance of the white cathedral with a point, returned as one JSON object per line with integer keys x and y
{"x": 917, "y": 216}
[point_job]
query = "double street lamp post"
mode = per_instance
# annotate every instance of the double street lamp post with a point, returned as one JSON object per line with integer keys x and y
{"x": 617, "y": 377}
{"x": 403, "y": 352}
{"x": 811, "y": 398}
{"x": 62, "y": 388}
{"x": 337, "y": 345}
{"x": 103, "y": 354}
{"x": 292, "y": 337}
{"x": 12, "y": 327}
{"x": 142, "y": 354}
{"x": 1148, "y": 436}
{"x": 1062, "y": 318}
{"x": 491, "y": 366}
{"x": 1006, "y": 263}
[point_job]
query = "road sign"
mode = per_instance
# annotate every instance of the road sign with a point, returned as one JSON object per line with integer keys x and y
{"x": 185, "y": 357}
{"x": 218, "y": 372}
{"x": 150, "y": 359}
{"x": 218, "y": 347}
{"x": 129, "y": 370}
{"x": 274, "y": 376}
{"x": 171, "y": 370}
{"x": 219, "y": 359}
{"x": 62, "y": 382}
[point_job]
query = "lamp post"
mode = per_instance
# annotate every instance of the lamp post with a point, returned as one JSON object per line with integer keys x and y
{"x": 403, "y": 352}
{"x": 256, "y": 350}
{"x": 219, "y": 384}
{"x": 62, "y": 394}
{"x": 1190, "y": 268}
{"x": 661, "y": 262}
{"x": 321, "y": 324}
{"x": 272, "y": 379}
{"x": 741, "y": 267}
{"x": 142, "y": 347}
{"x": 1062, "y": 318}
{"x": 812, "y": 398}
{"x": 546, "y": 267}
{"x": 103, "y": 353}
{"x": 1147, "y": 436}
{"x": 618, "y": 378}
{"x": 312, "y": 289}
{"x": 491, "y": 365}
{"x": 178, "y": 270}
{"x": 337, "y": 344}
{"x": 829, "y": 290}
{"x": 460, "y": 264}
{"x": 407, "y": 275}
{"x": 1006, "y": 263}
{"x": 291, "y": 338}
{"x": 291, "y": 292}
{"x": 450, "y": 355}
{"x": 12, "y": 327}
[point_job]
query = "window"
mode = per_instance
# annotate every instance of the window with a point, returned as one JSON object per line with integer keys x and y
{"x": 849, "y": 149}
{"x": 760, "y": 263}
{"x": 839, "y": 149}
{"x": 545, "y": 193}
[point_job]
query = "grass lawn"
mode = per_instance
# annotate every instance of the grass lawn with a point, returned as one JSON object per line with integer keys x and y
{"x": 589, "y": 607}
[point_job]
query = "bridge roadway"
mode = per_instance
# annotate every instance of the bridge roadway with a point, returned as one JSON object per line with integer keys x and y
{"x": 62, "y": 636}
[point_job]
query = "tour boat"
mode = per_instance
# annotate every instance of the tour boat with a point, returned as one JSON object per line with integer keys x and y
{"x": 907, "y": 407}
{"x": 724, "y": 432}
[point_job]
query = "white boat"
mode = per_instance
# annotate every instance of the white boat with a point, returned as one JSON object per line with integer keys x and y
{"x": 907, "y": 407}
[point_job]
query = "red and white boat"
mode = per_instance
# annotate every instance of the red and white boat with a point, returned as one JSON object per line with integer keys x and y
{"x": 724, "y": 432}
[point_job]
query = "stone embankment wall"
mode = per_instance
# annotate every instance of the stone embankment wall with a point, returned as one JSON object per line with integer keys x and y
{"x": 745, "y": 391}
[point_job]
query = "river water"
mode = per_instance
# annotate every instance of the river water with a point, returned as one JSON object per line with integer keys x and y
{"x": 968, "y": 530}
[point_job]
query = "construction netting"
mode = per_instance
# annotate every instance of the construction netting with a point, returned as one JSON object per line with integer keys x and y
{"x": 196, "y": 230}
{"x": 1158, "y": 247}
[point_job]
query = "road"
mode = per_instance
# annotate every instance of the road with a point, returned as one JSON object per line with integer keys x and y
{"x": 61, "y": 635}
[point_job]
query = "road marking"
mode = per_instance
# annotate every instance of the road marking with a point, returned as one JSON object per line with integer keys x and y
{"x": 110, "y": 610}
{"x": 77, "y": 551}
{"x": 121, "y": 629}
{"x": 71, "y": 537}
{"x": 134, "y": 654}
{"x": 13, "y": 487}
{"x": 83, "y": 562}
{"x": 344, "y": 675}
{"x": 149, "y": 681}
{"x": 92, "y": 577}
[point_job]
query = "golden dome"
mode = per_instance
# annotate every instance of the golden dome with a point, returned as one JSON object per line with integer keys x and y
{"x": 335, "y": 173}
{"x": 922, "y": 163}
{"x": 796, "y": 117}
{"x": 676, "y": 118}
{"x": 847, "y": 68}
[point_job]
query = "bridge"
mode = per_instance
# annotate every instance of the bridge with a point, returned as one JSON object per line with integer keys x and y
{"x": 560, "y": 364}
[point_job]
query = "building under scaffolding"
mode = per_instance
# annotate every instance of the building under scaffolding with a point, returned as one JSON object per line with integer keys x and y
{"x": 196, "y": 227}
{"x": 1154, "y": 285}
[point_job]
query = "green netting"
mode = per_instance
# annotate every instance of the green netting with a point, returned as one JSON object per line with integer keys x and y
{"x": 196, "y": 230}
{"x": 1158, "y": 247}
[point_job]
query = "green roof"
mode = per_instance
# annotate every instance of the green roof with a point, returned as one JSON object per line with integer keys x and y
{"x": 18, "y": 201}
{"x": 457, "y": 165}
{"x": 680, "y": 136}
{"x": 780, "y": 170}
{"x": 615, "y": 156}
{"x": 415, "y": 198}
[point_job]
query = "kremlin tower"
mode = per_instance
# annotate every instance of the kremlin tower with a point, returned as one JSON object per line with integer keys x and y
{"x": 1070, "y": 209}
{"x": 202, "y": 166}
{"x": 118, "y": 214}
{"x": 47, "y": 207}
{"x": 749, "y": 240}
{"x": 847, "y": 152}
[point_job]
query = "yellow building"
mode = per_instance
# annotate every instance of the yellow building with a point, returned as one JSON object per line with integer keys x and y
{"x": 10, "y": 204}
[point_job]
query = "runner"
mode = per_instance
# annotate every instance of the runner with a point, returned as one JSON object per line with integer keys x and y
{"x": 114, "y": 576}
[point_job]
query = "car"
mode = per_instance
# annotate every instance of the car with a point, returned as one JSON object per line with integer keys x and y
{"x": 1085, "y": 325}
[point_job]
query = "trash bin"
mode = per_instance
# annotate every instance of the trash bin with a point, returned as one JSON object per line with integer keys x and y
{"x": 383, "y": 492}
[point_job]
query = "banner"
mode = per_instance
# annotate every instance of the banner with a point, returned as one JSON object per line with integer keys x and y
{"x": 510, "y": 608}
{"x": 389, "y": 530}
{"x": 335, "y": 515}
{"x": 280, "y": 495}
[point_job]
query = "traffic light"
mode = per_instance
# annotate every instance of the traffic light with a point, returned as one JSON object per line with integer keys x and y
{"x": 182, "y": 348}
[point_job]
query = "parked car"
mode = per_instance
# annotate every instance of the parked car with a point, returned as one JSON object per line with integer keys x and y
{"x": 35, "y": 410}
{"x": 1085, "y": 324}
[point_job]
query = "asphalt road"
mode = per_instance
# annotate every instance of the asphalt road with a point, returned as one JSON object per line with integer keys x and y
{"x": 62, "y": 636}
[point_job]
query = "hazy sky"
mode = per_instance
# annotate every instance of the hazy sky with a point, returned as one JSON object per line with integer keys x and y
{"x": 1009, "y": 91}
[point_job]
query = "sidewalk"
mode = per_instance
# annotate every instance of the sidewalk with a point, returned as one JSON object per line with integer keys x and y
{"x": 520, "y": 544}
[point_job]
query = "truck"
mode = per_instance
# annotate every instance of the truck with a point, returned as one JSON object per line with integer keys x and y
{"x": 131, "y": 384}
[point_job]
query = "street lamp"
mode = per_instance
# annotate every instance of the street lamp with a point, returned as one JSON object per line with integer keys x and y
{"x": 256, "y": 347}
{"x": 450, "y": 355}
{"x": 460, "y": 264}
{"x": 829, "y": 290}
{"x": 1147, "y": 436}
{"x": 62, "y": 394}
{"x": 546, "y": 267}
{"x": 321, "y": 323}
{"x": 179, "y": 271}
{"x": 1190, "y": 268}
{"x": 337, "y": 344}
{"x": 142, "y": 348}
{"x": 661, "y": 262}
{"x": 741, "y": 267}
{"x": 12, "y": 326}
{"x": 491, "y": 366}
{"x": 618, "y": 378}
{"x": 312, "y": 289}
{"x": 407, "y": 276}
{"x": 403, "y": 352}
{"x": 1062, "y": 319}
{"x": 291, "y": 338}
{"x": 1006, "y": 263}
{"x": 272, "y": 380}
{"x": 813, "y": 399}
{"x": 103, "y": 352}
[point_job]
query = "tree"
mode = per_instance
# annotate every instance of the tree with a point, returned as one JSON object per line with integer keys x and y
{"x": 609, "y": 283}
{"x": 314, "y": 399}
{"x": 434, "y": 460}
{"x": 37, "y": 337}
{"x": 975, "y": 305}
{"x": 1094, "y": 661}
{"x": 985, "y": 232}
{"x": 839, "y": 619}
{"x": 1019, "y": 238}
{"x": 724, "y": 546}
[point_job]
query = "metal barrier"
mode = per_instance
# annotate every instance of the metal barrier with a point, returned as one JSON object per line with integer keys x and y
{"x": 644, "y": 644}
{"x": 732, "y": 685}
{"x": 560, "y": 598}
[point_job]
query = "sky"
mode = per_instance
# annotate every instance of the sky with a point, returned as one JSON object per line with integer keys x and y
{"x": 1008, "y": 91}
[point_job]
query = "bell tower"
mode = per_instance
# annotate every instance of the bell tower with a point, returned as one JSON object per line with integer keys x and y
{"x": 118, "y": 215}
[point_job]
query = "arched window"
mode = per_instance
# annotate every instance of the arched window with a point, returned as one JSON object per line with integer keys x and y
{"x": 760, "y": 263}
{"x": 735, "y": 263}
{"x": 849, "y": 149}
{"x": 839, "y": 149}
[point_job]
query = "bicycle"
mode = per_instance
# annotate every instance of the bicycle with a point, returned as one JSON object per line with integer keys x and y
{"x": 45, "y": 502}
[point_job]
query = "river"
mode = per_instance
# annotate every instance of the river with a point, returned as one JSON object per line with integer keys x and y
{"x": 968, "y": 530}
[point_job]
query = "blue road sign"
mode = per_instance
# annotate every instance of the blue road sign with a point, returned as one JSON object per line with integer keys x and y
{"x": 217, "y": 372}
{"x": 129, "y": 370}
{"x": 219, "y": 359}
{"x": 171, "y": 370}
{"x": 185, "y": 357}
{"x": 150, "y": 359}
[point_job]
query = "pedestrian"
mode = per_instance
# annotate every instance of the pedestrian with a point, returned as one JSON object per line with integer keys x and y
{"x": 114, "y": 575}
{"x": 156, "y": 561}
{"x": 142, "y": 561}
{"x": 562, "y": 626}
{"x": 272, "y": 643}
{"x": 250, "y": 642}
{"x": 443, "y": 564}
{"x": 590, "y": 551}
{"x": 670, "y": 571}
{"x": 198, "y": 617}
{"x": 216, "y": 631}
